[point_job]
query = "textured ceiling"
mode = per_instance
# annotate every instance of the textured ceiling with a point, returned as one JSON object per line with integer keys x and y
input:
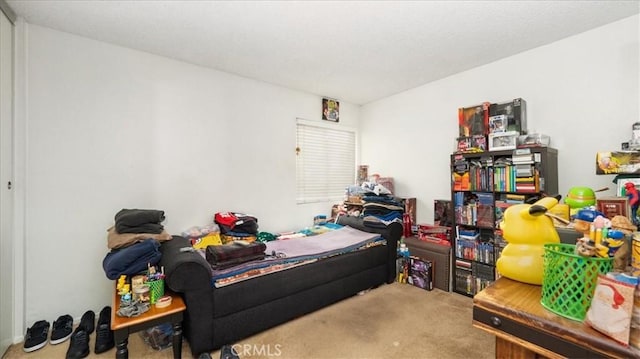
{"x": 354, "y": 51}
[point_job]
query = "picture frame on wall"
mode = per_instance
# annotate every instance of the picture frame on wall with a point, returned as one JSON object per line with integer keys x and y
{"x": 330, "y": 110}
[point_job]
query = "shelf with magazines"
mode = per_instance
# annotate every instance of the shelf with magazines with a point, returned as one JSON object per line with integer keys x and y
{"x": 483, "y": 186}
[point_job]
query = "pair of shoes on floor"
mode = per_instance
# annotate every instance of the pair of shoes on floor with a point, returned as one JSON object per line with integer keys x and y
{"x": 37, "y": 334}
{"x": 36, "y": 337}
{"x": 79, "y": 347}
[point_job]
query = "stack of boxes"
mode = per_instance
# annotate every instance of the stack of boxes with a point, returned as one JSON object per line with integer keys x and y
{"x": 431, "y": 249}
{"x": 507, "y": 121}
{"x": 491, "y": 126}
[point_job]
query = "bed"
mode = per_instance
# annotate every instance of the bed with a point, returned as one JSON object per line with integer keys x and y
{"x": 297, "y": 278}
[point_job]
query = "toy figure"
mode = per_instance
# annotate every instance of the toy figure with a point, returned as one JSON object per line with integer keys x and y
{"x": 634, "y": 201}
{"x": 526, "y": 229}
{"x": 583, "y": 221}
{"x": 581, "y": 197}
{"x": 122, "y": 287}
{"x": 623, "y": 225}
{"x": 585, "y": 247}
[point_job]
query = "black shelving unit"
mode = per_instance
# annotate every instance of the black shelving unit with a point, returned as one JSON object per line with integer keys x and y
{"x": 483, "y": 185}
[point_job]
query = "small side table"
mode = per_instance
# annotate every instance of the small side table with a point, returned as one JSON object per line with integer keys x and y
{"x": 123, "y": 326}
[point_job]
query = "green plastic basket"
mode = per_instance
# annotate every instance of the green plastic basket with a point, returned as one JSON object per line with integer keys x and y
{"x": 569, "y": 280}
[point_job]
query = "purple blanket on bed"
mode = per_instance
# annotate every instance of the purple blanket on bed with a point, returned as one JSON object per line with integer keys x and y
{"x": 319, "y": 245}
{"x": 343, "y": 240}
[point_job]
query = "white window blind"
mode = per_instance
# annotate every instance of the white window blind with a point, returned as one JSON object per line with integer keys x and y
{"x": 325, "y": 162}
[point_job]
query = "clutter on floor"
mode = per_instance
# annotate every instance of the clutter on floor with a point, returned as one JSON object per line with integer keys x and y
{"x": 62, "y": 330}
{"x": 158, "y": 337}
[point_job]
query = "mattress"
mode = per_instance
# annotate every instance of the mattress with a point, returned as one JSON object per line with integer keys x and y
{"x": 290, "y": 253}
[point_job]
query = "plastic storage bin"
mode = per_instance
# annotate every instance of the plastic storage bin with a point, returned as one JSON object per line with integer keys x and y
{"x": 569, "y": 280}
{"x": 534, "y": 140}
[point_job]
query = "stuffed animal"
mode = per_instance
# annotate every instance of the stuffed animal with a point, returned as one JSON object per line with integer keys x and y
{"x": 526, "y": 229}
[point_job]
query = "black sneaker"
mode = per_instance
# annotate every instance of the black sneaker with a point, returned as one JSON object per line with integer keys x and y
{"x": 104, "y": 334}
{"x": 227, "y": 352}
{"x": 79, "y": 347}
{"x": 62, "y": 329}
{"x": 88, "y": 321}
{"x": 36, "y": 337}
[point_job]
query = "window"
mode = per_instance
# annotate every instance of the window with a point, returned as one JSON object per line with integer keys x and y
{"x": 325, "y": 161}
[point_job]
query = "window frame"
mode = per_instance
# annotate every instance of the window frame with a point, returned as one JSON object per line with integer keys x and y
{"x": 312, "y": 194}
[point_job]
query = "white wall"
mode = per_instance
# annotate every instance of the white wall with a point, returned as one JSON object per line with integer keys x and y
{"x": 582, "y": 91}
{"x": 110, "y": 128}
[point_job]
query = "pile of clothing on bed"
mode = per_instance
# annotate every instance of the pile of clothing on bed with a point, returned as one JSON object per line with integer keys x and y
{"x": 225, "y": 228}
{"x": 134, "y": 242}
{"x": 246, "y": 253}
{"x": 236, "y": 226}
{"x": 380, "y": 207}
{"x": 241, "y": 260}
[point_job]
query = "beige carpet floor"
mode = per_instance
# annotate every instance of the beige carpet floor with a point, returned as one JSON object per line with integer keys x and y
{"x": 392, "y": 321}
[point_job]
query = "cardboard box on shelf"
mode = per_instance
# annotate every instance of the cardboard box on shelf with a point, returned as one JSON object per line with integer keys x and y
{"x": 515, "y": 112}
{"x": 618, "y": 162}
{"x": 613, "y": 206}
{"x": 503, "y": 141}
{"x": 435, "y": 234}
{"x": 473, "y": 120}
{"x": 410, "y": 208}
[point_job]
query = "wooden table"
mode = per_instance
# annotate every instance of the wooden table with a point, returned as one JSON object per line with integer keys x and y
{"x": 123, "y": 326}
{"x": 511, "y": 310}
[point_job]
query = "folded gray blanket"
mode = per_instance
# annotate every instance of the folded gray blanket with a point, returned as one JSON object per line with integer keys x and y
{"x": 139, "y": 221}
{"x": 136, "y": 217}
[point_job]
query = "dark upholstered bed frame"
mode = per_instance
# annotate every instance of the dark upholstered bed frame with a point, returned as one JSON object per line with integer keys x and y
{"x": 220, "y": 316}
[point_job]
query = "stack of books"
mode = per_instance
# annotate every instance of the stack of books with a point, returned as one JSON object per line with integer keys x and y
{"x": 466, "y": 243}
{"x": 526, "y": 174}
